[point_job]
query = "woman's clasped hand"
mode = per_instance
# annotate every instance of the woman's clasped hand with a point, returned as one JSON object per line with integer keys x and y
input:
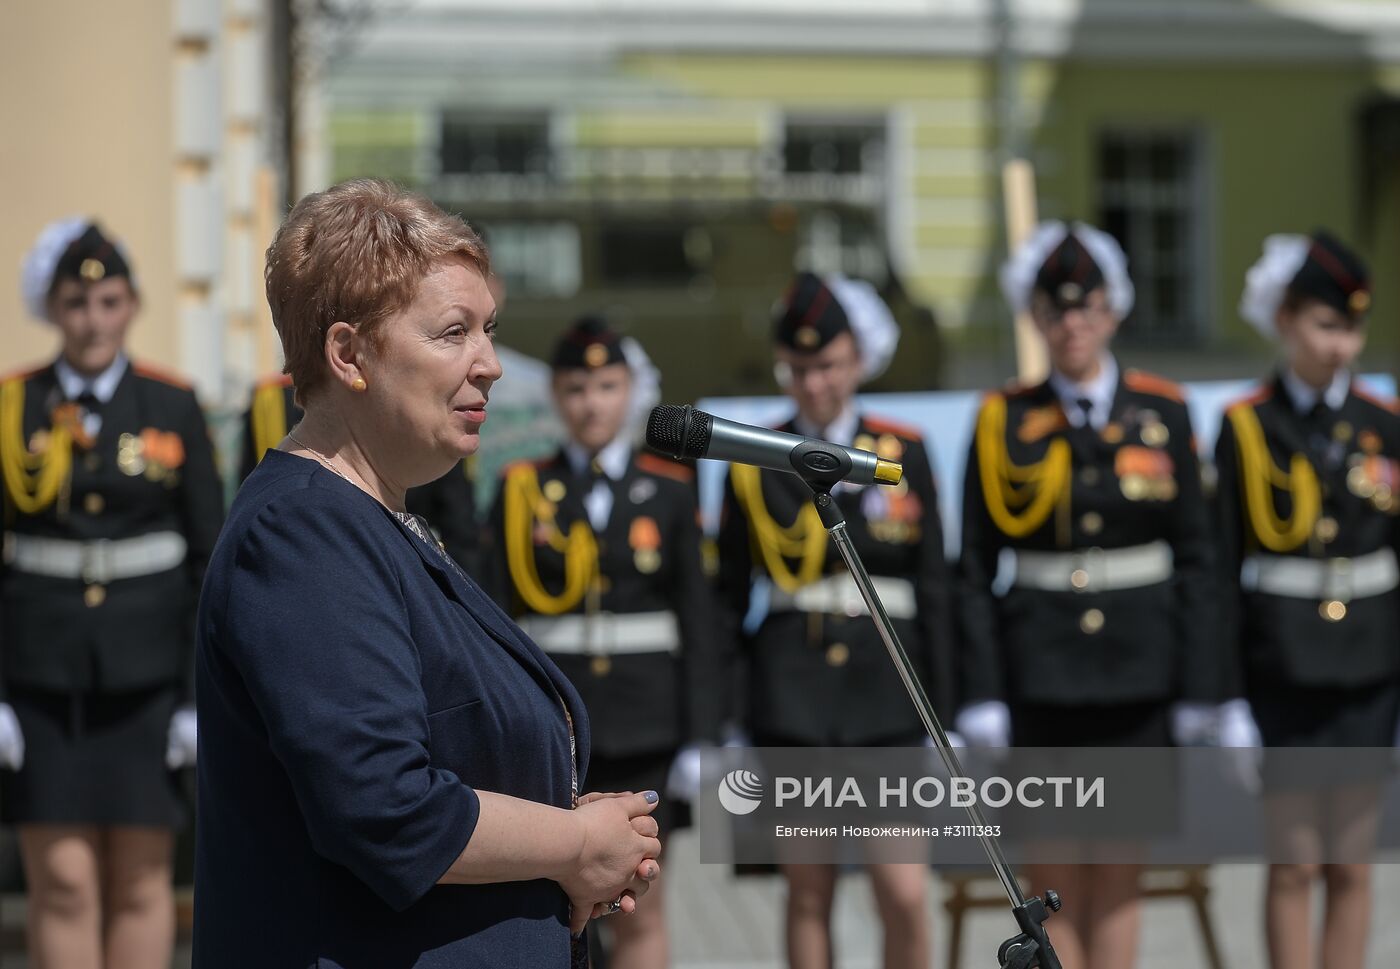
{"x": 617, "y": 856}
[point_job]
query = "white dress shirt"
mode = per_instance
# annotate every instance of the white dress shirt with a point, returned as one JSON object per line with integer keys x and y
{"x": 612, "y": 461}
{"x": 1099, "y": 392}
{"x": 840, "y": 431}
{"x": 103, "y": 386}
{"x": 1304, "y": 395}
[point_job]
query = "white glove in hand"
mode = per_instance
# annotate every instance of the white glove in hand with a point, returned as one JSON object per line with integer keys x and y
{"x": 683, "y": 781}
{"x": 735, "y": 738}
{"x": 985, "y": 724}
{"x": 1194, "y": 724}
{"x": 11, "y": 739}
{"x": 1240, "y": 734}
{"x": 955, "y": 739}
{"x": 182, "y": 740}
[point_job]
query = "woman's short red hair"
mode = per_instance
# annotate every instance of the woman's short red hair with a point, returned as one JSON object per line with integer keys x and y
{"x": 355, "y": 252}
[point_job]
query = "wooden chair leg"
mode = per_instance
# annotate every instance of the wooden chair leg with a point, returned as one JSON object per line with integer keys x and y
{"x": 957, "y": 908}
{"x": 1200, "y": 901}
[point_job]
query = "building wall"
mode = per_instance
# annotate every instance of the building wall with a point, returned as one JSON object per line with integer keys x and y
{"x": 1273, "y": 89}
{"x": 1281, "y": 156}
{"x": 85, "y": 98}
{"x": 150, "y": 117}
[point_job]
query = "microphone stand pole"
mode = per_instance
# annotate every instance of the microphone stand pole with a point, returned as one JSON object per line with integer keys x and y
{"x": 1030, "y": 949}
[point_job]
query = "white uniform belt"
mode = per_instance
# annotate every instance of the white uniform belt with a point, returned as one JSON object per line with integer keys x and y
{"x": 100, "y": 561}
{"x": 837, "y": 595}
{"x": 1095, "y": 569}
{"x": 605, "y": 633}
{"x": 1372, "y": 574}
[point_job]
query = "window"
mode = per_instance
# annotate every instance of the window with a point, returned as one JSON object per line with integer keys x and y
{"x": 474, "y": 145}
{"x": 833, "y": 241}
{"x": 1151, "y": 200}
{"x": 655, "y": 254}
{"x": 538, "y": 259}
{"x": 833, "y": 147}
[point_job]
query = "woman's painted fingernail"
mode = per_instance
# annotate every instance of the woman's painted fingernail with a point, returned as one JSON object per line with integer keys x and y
{"x": 652, "y": 797}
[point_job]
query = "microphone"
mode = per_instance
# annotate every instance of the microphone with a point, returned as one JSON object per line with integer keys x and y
{"x": 684, "y": 432}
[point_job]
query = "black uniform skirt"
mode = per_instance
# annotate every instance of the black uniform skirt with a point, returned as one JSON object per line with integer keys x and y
{"x": 93, "y": 759}
{"x": 1363, "y": 718}
{"x": 1144, "y": 724}
{"x": 638, "y": 773}
{"x": 1052, "y": 732}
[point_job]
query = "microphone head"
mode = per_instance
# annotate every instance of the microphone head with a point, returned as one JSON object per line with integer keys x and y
{"x": 678, "y": 431}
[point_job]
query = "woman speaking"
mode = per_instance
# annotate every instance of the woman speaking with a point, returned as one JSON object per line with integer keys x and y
{"x": 389, "y": 767}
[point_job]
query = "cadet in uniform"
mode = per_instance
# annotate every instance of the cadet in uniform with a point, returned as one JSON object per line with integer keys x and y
{"x": 1091, "y": 477}
{"x": 111, "y": 506}
{"x": 598, "y": 557}
{"x": 1308, "y": 494}
{"x": 817, "y": 671}
{"x": 447, "y": 504}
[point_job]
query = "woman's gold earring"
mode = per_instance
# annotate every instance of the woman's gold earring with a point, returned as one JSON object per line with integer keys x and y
{"x": 358, "y": 385}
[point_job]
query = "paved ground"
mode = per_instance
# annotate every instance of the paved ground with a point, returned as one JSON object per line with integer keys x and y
{"x": 723, "y": 923}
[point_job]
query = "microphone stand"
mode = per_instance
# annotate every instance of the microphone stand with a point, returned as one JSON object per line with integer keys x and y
{"x": 1031, "y": 948}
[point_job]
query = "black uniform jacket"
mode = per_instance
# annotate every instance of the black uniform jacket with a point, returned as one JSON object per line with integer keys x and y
{"x": 1034, "y": 482}
{"x": 648, "y": 560}
{"x": 150, "y": 469}
{"x": 823, "y": 677}
{"x": 1352, "y": 455}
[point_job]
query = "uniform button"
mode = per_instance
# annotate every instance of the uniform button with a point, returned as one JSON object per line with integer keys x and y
{"x": 601, "y": 665}
{"x": 92, "y": 462}
{"x": 1079, "y": 579}
{"x": 1091, "y": 522}
{"x": 93, "y": 503}
{"x": 94, "y": 596}
{"x": 1326, "y": 529}
{"x": 1092, "y": 621}
{"x": 1333, "y": 610}
{"x": 1089, "y": 476}
{"x": 837, "y": 654}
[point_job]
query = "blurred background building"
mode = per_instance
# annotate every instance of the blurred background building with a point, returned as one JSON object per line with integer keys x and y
{"x": 671, "y": 162}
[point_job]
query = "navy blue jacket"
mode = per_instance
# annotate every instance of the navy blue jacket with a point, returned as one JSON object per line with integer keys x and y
{"x": 353, "y": 691}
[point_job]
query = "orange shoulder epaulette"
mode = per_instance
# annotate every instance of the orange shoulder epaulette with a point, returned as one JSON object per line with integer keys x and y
{"x": 274, "y": 380}
{"x": 882, "y": 425}
{"x": 1384, "y": 403}
{"x": 1148, "y": 383}
{"x": 665, "y": 468}
{"x": 161, "y": 376}
{"x": 1256, "y": 396}
{"x": 1014, "y": 388}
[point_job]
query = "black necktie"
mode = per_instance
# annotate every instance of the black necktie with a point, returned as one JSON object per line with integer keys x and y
{"x": 1087, "y": 406}
{"x": 1319, "y": 423}
{"x": 89, "y": 402}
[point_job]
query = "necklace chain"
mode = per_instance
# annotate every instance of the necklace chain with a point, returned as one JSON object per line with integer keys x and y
{"x": 319, "y": 457}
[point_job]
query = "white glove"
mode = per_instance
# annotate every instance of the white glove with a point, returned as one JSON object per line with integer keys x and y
{"x": 985, "y": 724}
{"x": 735, "y": 737}
{"x": 11, "y": 739}
{"x": 955, "y": 739}
{"x": 1194, "y": 724}
{"x": 182, "y": 741}
{"x": 1240, "y": 734}
{"x": 683, "y": 780}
